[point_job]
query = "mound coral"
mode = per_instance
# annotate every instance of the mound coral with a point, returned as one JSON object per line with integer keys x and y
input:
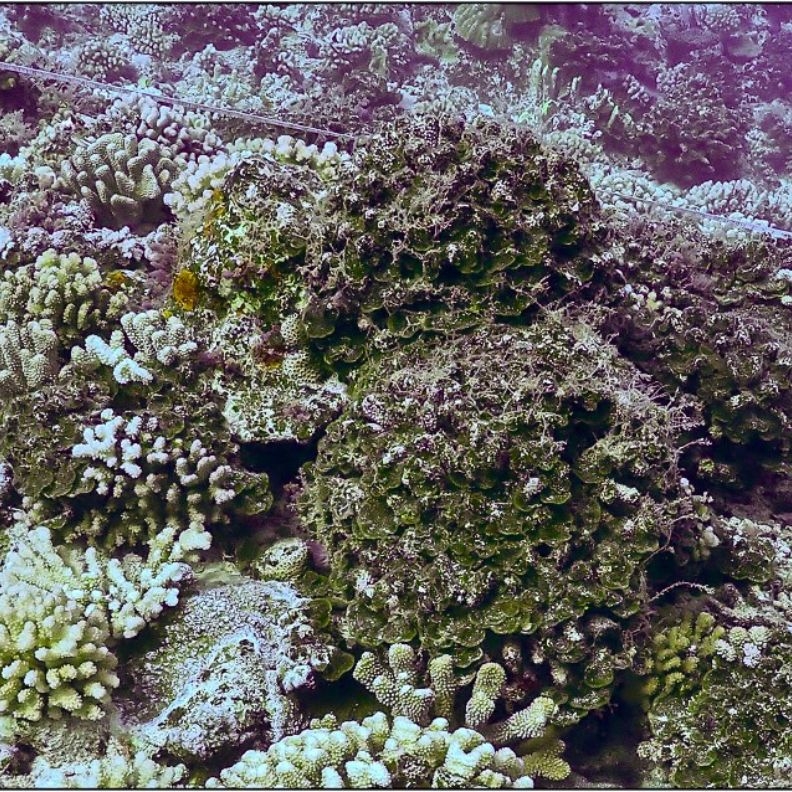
{"x": 442, "y": 225}
{"x": 719, "y": 328}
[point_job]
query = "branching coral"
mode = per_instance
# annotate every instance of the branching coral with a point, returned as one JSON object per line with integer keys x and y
{"x": 702, "y": 134}
{"x": 28, "y": 356}
{"x": 395, "y": 685}
{"x": 167, "y": 342}
{"x": 501, "y": 511}
{"x": 136, "y": 480}
{"x": 730, "y": 728}
{"x": 54, "y": 654}
{"x": 677, "y": 652}
{"x": 104, "y": 60}
{"x": 122, "y": 179}
{"x": 67, "y": 290}
{"x": 376, "y": 753}
{"x": 143, "y": 26}
{"x": 119, "y": 767}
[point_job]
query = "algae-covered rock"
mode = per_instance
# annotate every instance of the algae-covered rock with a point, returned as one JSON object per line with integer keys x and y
{"x": 226, "y": 670}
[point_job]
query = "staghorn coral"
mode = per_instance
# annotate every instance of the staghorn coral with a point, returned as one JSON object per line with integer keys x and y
{"x": 376, "y": 753}
{"x": 122, "y": 179}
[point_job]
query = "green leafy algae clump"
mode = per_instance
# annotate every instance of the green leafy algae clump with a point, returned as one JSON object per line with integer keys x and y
{"x": 443, "y": 225}
{"x": 506, "y": 482}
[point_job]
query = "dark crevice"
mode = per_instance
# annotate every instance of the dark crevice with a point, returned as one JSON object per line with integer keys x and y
{"x": 281, "y": 460}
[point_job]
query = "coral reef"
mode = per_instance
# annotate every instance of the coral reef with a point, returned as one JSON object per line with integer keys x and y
{"x": 395, "y": 396}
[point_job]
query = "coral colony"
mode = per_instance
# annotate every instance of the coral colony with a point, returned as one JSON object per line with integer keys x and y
{"x": 395, "y": 396}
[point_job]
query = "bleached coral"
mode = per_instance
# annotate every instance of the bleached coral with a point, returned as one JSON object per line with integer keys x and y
{"x": 234, "y": 655}
{"x": 156, "y": 340}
